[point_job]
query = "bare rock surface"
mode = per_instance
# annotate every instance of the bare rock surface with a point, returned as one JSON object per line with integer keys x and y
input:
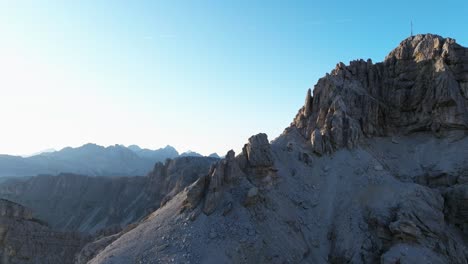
{"x": 27, "y": 240}
{"x": 421, "y": 86}
{"x": 14, "y": 210}
{"x": 349, "y": 214}
{"x": 71, "y": 202}
{"x": 373, "y": 169}
{"x": 258, "y": 151}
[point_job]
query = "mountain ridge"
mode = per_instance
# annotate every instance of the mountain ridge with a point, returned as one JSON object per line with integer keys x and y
{"x": 422, "y": 85}
{"x": 70, "y": 202}
{"x": 89, "y": 159}
{"x": 372, "y": 170}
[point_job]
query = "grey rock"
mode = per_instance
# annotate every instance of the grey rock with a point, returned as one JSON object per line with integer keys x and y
{"x": 215, "y": 190}
{"x": 457, "y": 206}
{"x": 317, "y": 141}
{"x": 404, "y": 229}
{"x": 227, "y": 208}
{"x": 195, "y": 193}
{"x": 28, "y": 240}
{"x": 421, "y": 86}
{"x": 412, "y": 213}
{"x": 308, "y": 104}
{"x": 70, "y": 202}
{"x": 223, "y": 173}
{"x": 258, "y": 151}
{"x": 13, "y": 210}
{"x": 93, "y": 248}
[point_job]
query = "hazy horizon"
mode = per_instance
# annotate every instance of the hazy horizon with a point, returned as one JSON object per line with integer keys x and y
{"x": 49, "y": 150}
{"x": 201, "y": 76}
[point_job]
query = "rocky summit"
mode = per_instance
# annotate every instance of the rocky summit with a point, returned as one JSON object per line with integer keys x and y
{"x": 421, "y": 86}
{"x": 373, "y": 169}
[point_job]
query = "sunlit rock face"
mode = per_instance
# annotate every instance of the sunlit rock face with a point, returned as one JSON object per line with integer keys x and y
{"x": 373, "y": 169}
{"x": 421, "y": 86}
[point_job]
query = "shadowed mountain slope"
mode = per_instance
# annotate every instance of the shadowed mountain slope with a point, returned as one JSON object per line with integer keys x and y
{"x": 88, "y": 204}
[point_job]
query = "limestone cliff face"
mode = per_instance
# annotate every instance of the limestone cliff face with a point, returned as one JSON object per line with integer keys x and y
{"x": 398, "y": 199}
{"x": 421, "y": 86}
{"x": 26, "y": 240}
{"x": 213, "y": 190}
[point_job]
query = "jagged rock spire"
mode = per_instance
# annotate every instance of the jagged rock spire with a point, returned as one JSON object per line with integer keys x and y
{"x": 308, "y": 103}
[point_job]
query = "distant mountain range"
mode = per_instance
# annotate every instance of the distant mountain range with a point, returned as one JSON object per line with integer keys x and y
{"x": 90, "y": 159}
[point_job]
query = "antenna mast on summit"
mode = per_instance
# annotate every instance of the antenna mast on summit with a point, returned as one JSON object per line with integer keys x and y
{"x": 411, "y": 28}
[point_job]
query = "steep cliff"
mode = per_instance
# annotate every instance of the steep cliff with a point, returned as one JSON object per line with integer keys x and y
{"x": 372, "y": 169}
{"x": 27, "y": 240}
{"x": 89, "y": 204}
{"x": 421, "y": 86}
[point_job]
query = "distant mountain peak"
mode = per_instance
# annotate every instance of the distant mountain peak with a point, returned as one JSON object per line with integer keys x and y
{"x": 214, "y": 155}
{"x": 49, "y": 150}
{"x": 190, "y": 153}
{"x": 134, "y": 147}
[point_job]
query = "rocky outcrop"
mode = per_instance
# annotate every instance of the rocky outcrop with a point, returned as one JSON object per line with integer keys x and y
{"x": 71, "y": 202}
{"x": 26, "y": 240}
{"x": 421, "y": 86}
{"x": 258, "y": 151}
{"x": 13, "y": 210}
{"x": 457, "y": 206}
{"x": 337, "y": 209}
{"x": 398, "y": 199}
{"x": 225, "y": 172}
{"x": 231, "y": 171}
{"x": 92, "y": 249}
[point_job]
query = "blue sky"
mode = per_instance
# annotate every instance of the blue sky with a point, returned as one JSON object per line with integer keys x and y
{"x": 199, "y": 75}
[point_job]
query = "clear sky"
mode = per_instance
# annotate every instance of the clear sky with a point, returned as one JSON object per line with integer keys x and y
{"x": 199, "y": 75}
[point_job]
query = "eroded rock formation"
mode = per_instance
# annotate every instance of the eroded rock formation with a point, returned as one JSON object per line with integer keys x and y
{"x": 233, "y": 170}
{"x": 372, "y": 170}
{"x": 71, "y": 202}
{"x": 421, "y": 86}
{"x": 27, "y": 240}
